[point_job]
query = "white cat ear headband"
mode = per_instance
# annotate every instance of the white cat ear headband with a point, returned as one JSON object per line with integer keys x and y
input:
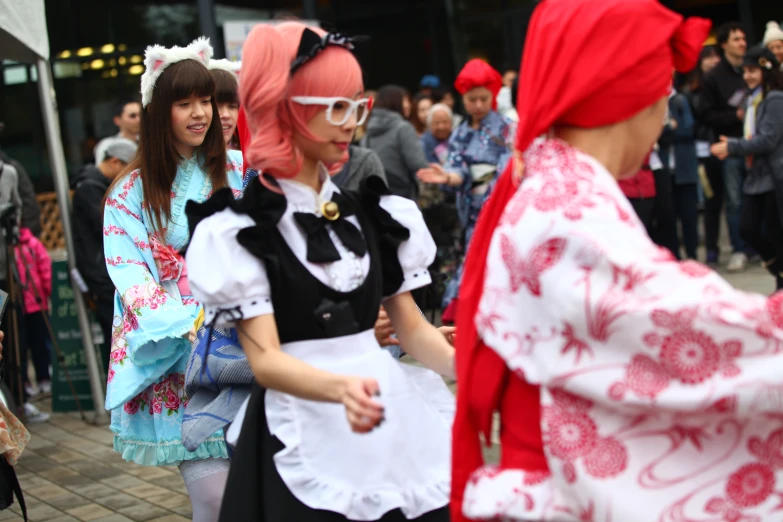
{"x": 157, "y": 58}
{"x": 226, "y": 65}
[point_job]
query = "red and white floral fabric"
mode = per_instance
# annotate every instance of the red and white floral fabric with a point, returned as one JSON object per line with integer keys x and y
{"x": 661, "y": 385}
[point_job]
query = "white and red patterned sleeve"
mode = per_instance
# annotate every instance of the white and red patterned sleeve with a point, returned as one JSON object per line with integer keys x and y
{"x": 592, "y": 306}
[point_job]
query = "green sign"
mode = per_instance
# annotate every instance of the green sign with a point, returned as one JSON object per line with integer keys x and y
{"x": 65, "y": 324}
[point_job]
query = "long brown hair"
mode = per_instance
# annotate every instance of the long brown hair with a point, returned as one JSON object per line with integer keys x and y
{"x": 157, "y": 157}
{"x": 227, "y": 91}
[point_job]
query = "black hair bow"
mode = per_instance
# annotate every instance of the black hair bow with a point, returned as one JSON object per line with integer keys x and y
{"x": 311, "y": 45}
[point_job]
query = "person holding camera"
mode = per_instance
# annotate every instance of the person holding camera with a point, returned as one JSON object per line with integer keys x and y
{"x": 10, "y": 206}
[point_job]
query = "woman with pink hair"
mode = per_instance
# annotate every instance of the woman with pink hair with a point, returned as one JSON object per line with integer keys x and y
{"x": 300, "y": 267}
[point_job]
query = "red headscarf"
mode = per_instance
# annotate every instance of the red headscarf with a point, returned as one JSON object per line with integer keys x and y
{"x": 587, "y": 63}
{"x": 478, "y": 73}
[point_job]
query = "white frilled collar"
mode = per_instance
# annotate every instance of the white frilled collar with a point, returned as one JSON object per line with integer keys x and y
{"x": 303, "y": 198}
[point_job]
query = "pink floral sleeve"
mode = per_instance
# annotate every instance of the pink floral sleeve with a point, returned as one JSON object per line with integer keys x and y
{"x": 152, "y": 319}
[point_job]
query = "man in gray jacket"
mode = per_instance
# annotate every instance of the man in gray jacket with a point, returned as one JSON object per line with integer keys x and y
{"x": 395, "y": 141}
{"x": 362, "y": 163}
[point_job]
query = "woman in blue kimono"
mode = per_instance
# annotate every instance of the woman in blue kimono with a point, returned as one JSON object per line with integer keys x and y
{"x": 181, "y": 157}
{"x": 478, "y": 152}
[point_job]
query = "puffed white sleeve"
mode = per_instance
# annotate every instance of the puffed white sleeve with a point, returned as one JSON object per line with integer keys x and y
{"x": 224, "y": 277}
{"x": 415, "y": 254}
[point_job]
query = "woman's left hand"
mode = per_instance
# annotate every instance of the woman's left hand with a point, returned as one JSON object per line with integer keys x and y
{"x": 450, "y": 333}
{"x": 721, "y": 149}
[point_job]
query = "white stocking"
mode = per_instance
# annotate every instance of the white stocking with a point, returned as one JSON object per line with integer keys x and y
{"x": 206, "y": 481}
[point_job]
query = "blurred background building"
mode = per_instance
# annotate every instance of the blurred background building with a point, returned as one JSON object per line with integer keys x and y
{"x": 97, "y": 49}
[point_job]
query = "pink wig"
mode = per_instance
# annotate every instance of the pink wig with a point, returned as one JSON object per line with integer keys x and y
{"x": 266, "y": 88}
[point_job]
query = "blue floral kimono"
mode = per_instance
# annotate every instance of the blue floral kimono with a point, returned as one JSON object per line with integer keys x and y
{"x": 488, "y": 145}
{"x": 146, "y": 392}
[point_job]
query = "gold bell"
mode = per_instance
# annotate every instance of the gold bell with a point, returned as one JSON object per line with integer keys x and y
{"x": 330, "y": 210}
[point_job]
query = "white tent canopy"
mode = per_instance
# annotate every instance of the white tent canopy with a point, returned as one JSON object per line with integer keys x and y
{"x": 24, "y": 38}
{"x": 23, "y": 35}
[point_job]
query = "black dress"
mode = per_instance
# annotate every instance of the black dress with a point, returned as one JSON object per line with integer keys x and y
{"x": 326, "y": 327}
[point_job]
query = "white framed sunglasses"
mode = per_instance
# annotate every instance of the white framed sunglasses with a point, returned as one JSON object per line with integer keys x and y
{"x": 339, "y": 110}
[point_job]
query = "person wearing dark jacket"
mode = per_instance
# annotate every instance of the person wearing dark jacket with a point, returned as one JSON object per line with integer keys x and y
{"x": 362, "y": 163}
{"x": 680, "y": 157}
{"x": 724, "y": 93}
{"x": 90, "y": 187}
{"x": 395, "y": 141}
{"x": 762, "y": 148}
{"x": 712, "y": 173}
{"x": 31, "y": 213}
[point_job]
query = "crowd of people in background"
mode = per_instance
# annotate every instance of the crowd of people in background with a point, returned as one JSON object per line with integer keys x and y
{"x": 137, "y": 208}
{"x": 444, "y": 152}
{"x": 715, "y": 164}
{"x": 719, "y": 153}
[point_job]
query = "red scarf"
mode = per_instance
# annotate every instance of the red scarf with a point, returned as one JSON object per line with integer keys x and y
{"x": 478, "y": 73}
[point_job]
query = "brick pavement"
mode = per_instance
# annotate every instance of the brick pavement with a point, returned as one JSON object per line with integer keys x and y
{"x": 69, "y": 472}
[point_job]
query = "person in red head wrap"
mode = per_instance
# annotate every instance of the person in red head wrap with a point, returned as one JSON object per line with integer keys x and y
{"x": 630, "y": 386}
{"x": 479, "y": 150}
{"x": 476, "y": 77}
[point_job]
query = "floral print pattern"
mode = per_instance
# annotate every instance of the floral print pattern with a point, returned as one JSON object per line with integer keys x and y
{"x": 488, "y": 144}
{"x": 168, "y": 260}
{"x": 151, "y": 317}
{"x": 13, "y": 435}
{"x": 113, "y": 229}
{"x": 659, "y": 383}
{"x": 165, "y": 397}
{"x": 118, "y": 260}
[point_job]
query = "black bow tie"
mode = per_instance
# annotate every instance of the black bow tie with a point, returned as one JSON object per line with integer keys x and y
{"x": 320, "y": 248}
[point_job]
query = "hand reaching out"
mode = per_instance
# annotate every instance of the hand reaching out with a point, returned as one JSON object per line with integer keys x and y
{"x": 721, "y": 149}
{"x": 434, "y": 174}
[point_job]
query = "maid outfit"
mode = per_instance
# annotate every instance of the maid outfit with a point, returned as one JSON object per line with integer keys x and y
{"x": 322, "y": 263}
